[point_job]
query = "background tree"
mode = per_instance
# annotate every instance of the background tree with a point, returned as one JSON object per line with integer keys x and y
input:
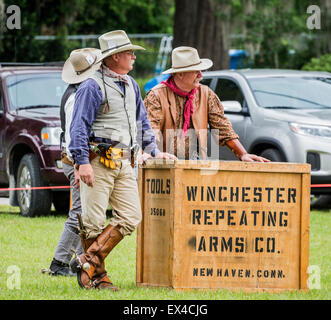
{"x": 205, "y": 25}
{"x": 322, "y": 63}
{"x": 273, "y": 32}
{"x": 78, "y": 17}
{"x": 2, "y": 22}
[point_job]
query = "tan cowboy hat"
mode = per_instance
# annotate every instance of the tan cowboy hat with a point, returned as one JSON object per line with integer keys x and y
{"x": 81, "y": 64}
{"x": 115, "y": 42}
{"x": 187, "y": 59}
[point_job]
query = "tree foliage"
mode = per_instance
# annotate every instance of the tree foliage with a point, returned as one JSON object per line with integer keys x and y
{"x": 204, "y": 25}
{"x": 319, "y": 64}
{"x": 273, "y": 32}
{"x": 78, "y": 17}
{"x": 276, "y": 35}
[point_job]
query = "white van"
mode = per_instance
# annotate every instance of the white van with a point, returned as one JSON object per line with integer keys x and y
{"x": 283, "y": 115}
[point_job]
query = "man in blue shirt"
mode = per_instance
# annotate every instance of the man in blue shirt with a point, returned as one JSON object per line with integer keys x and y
{"x": 109, "y": 110}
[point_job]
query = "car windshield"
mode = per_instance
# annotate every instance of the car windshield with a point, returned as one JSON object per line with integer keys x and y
{"x": 37, "y": 90}
{"x": 292, "y": 92}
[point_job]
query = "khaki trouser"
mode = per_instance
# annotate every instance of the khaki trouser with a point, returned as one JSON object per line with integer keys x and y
{"x": 117, "y": 187}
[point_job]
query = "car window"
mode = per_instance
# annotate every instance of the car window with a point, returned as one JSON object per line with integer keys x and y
{"x": 292, "y": 92}
{"x": 227, "y": 89}
{"x": 26, "y": 90}
{"x": 206, "y": 81}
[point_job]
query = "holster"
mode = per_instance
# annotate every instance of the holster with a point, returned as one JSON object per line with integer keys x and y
{"x": 110, "y": 156}
{"x": 92, "y": 155}
{"x": 66, "y": 160}
{"x": 134, "y": 154}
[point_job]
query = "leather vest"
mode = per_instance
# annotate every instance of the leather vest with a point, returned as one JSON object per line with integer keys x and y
{"x": 169, "y": 111}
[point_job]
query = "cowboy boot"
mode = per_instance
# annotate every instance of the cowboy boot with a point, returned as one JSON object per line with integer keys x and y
{"x": 100, "y": 279}
{"x": 76, "y": 266}
{"x": 92, "y": 260}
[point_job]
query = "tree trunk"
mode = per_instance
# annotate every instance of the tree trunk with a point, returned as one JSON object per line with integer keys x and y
{"x": 326, "y": 24}
{"x": 249, "y": 6}
{"x": 2, "y": 16}
{"x": 198, "y": 24}
{"x": 2, "y": 22}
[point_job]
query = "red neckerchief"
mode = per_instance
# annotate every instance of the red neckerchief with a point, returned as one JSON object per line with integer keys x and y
{"x": 188, "y": 108}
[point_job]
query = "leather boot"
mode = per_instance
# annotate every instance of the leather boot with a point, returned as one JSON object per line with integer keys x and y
{"x": 58, "y": 268}
{"x": 100, "y": 279}
{"x": 76, "y": 266}
{"x": 91, "y": 262}
{"x": 87, "y": 243}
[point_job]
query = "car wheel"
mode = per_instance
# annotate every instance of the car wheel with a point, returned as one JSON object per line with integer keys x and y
{"x": 32, "y": 202}
{"x": 272, "y": 154}
{"x": 320, "y": 202}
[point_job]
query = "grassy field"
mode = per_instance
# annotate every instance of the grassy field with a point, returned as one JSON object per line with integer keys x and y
{"x": 27, "y": 245}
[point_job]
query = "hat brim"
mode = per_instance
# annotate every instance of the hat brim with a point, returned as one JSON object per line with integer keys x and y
{"x": 121, "y": 49}
{"x": 203, "y": 65}
{"x": 70, "y": 76}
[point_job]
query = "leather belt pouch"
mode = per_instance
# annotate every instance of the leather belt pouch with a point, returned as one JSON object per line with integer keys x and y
{"x": 66, "y": 160}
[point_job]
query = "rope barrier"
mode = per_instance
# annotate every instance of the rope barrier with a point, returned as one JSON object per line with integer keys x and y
{"x": 35, "y": 188}
{"x": 320, "y": 185}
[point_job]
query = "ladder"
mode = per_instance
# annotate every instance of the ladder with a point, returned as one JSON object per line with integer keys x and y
{"x": 165, "y": 49}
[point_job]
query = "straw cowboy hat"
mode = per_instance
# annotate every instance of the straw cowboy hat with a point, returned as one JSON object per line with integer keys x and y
{"x": 81, "y": 64}
{"x": 115, "y": 42}
{"x": 187, "y": 59}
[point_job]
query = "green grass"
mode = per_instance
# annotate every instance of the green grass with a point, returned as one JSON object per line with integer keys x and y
{"x": 29, "y": 244}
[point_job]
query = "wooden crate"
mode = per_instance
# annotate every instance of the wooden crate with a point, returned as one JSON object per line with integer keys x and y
{"x": 211, "y": 224}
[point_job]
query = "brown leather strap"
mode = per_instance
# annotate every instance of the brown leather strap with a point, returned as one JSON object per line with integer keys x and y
{"x": 102, "y": 278}
{"x": 66, "y": 160}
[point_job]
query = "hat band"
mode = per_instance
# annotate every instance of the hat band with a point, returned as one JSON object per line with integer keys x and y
{"x": 82, "y": 71}
{"x": 116, "y": 47}
{"x": 190, "y": 65}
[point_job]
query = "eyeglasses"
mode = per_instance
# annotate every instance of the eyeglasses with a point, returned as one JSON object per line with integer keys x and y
{"x": 129, "y": 52}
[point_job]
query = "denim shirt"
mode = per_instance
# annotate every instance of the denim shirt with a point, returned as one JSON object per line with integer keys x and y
{"x": 88, "y": 100}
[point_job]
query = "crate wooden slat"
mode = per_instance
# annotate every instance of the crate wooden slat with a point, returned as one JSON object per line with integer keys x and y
{"x": 211, "y": 224}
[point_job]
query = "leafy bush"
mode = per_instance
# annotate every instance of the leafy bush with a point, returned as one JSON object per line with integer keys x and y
{"x": 319, "y": 64}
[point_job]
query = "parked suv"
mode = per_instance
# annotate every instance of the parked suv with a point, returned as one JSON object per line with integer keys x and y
{"x": 282, "y": 115}
{"x": 30, "y": 156}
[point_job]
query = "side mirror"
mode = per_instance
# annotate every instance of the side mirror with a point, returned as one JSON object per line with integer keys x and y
{"x": 232, "y": 106}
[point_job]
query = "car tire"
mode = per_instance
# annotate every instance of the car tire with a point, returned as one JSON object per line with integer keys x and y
{"x": 32, "y": 202}
{"x": 320, "y": 202}
{"x": 272, "y": 154}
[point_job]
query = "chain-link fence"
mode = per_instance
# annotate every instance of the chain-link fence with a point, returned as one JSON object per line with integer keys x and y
{"x": 150, "y": 62}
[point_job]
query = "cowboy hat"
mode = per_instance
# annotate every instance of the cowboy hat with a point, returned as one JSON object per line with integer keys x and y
{"x": 115, "y": 42}
{"x": 80, "y": 65}
{"x": 187, "y": 59}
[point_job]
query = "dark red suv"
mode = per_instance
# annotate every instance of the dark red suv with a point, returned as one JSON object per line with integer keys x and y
{"x": 30, "y": 155}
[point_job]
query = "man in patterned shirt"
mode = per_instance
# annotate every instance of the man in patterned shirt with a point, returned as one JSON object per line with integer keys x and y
{"x": 180, "y": 109}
